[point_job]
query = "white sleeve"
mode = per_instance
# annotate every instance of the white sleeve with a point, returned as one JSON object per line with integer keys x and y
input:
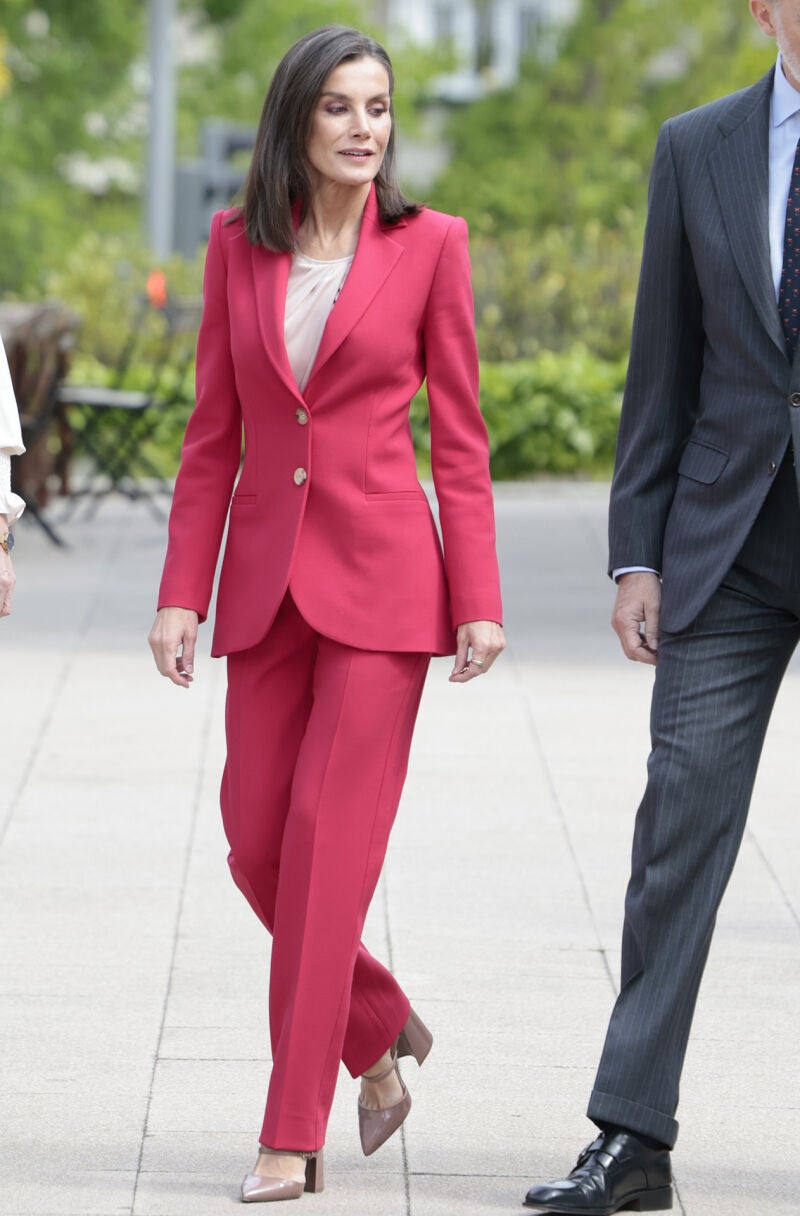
{"x": 11, "y": 505}
{"x": 10, "y": 441}
{"x": 10, "y": 430}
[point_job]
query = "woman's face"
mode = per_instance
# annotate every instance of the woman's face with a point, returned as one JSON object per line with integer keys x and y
{"x": 351, "y": 124}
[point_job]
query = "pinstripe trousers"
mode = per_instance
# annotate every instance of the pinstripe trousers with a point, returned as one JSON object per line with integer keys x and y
{"x": 714, "y": 691}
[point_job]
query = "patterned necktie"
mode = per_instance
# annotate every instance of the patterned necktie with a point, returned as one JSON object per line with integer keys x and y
{"x": 789, "y": 294}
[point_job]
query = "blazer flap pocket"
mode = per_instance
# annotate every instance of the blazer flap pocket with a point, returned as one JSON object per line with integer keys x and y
{"x": 701, "y": 462}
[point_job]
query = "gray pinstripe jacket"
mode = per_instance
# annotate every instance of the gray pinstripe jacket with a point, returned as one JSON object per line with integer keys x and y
{"x": 707, "y": 413}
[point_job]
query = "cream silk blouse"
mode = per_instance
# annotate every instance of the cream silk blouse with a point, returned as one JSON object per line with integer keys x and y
{"x": 310, "y": 295}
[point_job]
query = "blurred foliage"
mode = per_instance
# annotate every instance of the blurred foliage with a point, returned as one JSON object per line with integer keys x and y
{"x": 552, "y": 175}
{"x": 68, "y": 96}
{"x": 545, "y": 291}
{"x": 556, "y": 413}
{"x": 124, "y": 341}
{"x": 104, "y": 279}
{"x": 73, "y": 107}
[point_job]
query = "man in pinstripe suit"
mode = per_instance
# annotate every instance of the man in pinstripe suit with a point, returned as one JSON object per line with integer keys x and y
{"x": 705, "y": 495}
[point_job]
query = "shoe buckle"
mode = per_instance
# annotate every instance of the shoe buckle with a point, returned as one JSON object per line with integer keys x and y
{"x": 586, "y": 1154}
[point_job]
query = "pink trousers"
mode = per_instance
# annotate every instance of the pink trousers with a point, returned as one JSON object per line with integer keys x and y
{"x": 318, "y": 738}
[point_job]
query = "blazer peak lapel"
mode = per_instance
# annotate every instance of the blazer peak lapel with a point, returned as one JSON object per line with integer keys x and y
{"x": 270, "y": 280}
{"x": 739, "y": 167}
{"x": 375, "y": 257}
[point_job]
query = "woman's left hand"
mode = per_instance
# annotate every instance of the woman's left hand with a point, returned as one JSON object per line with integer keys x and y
{"x": 6, "y": 582}
{"x": 479, "y": 644}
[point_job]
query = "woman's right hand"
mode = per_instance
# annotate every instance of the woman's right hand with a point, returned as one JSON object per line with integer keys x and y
{"x": 172, "y": 641}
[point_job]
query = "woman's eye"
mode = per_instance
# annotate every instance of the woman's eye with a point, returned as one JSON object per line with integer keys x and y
{"x": 336, "y": 109}
{"x": 377, "y": 111}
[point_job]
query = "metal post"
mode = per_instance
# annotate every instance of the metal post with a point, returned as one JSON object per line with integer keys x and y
{"x": 159, "y": 188}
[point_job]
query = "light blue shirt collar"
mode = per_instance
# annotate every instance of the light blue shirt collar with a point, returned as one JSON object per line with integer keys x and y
{"x": 785, "y": 97}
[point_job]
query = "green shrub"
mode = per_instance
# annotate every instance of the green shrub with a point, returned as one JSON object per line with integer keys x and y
{"x": 557, "y": 413}
{"x": 104, "y": 280}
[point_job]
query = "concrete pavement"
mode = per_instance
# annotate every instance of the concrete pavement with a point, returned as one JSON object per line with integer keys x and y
{"x": 133, "y": 975}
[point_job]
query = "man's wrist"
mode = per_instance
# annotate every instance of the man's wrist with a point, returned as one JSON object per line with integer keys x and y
{"x": 618, "y": 572}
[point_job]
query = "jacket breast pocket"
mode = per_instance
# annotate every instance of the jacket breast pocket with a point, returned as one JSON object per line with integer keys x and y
{"x": 702, "y": 462}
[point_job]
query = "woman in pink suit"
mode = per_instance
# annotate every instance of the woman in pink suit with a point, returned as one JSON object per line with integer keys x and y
{"x": 328, "y": 299}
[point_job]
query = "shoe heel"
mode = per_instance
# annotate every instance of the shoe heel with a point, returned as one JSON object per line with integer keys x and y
{"x": 414, "y": 1039}
{"x": 315, "y": 1181}
{"x": 656, "y": 1201}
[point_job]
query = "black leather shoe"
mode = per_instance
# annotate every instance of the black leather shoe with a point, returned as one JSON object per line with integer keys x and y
{"x": 616, "y": 1171}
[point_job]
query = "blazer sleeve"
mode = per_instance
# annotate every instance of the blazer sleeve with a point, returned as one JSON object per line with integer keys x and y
{"x": 663, "y": 383}
{"x": 459, "y": 442}
{"x": 211, "y": 452}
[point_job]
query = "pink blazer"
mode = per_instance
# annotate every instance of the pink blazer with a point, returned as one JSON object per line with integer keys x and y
{"x": 328, "y": 503}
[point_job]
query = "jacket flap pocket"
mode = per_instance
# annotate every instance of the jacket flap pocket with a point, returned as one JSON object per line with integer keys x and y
{"x": 701, "y": 462}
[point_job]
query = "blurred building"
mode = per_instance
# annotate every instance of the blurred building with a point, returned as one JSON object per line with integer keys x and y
{"x": 488, "y": 38}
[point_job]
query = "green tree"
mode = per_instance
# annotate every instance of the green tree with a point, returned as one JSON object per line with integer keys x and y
{"x": 67, "y": 102}
{"x": 552, "y": 174}
{"x": 73, "y": 110}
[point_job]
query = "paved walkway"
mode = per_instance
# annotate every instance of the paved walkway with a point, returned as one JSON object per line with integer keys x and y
{"x": 133, "y": 975}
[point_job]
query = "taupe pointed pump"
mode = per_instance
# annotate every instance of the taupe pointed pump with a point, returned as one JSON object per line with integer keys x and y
{"x": 376, "y": 1126}
{"x": 260, "y": 1188}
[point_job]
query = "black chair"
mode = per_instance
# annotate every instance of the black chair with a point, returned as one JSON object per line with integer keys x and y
{"x": 112, "y": 424}
{"x": 38, "y": 339}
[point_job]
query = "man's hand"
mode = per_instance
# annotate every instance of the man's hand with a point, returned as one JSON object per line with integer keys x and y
{"x": 172, "y": 641}
{"x": 636, "y": 613}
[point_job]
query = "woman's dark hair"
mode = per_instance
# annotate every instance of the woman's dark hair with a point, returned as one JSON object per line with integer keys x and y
{"x": 279, "y": 172}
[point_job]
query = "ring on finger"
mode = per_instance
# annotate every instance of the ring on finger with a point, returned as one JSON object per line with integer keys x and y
{"x": 477, "y": 662}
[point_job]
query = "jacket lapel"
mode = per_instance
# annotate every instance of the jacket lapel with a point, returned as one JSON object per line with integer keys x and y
{"x": 739, "y": 167}
{"x": 375, "y": 257}
{"x": 270, "y": 279}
